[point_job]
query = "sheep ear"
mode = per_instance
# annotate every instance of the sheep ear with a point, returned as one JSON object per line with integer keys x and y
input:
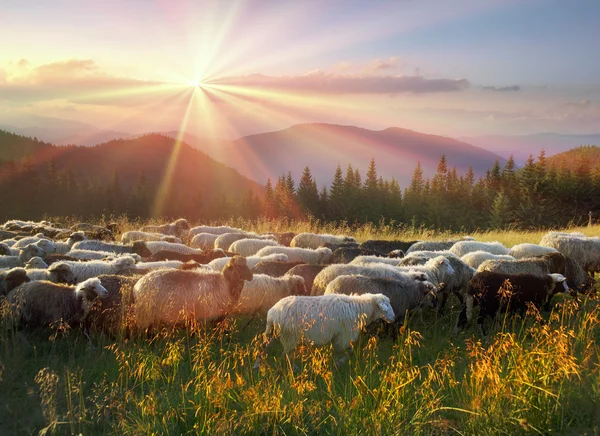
{"x": 441, "y": 262}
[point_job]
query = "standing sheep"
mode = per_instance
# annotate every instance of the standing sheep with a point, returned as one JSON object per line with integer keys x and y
{"x": 383, "y": 247}
{"x": 274, "y": 269}
{"x": 65, "y": 247}
{"x": 327, "y": 319}
{"x": 225, "y": 240}
{"x": 262, "y": 292}
{"x": 58, "y": 272}
{"x": 308, "y": 273}
{"x": 156, "y": 246}
{"x": 529, "y": 250}
{"x": 435, "y": 245}
{"x": 348, "y": 254}
{"x": 314, "y": 241}
{"x": 94, "y": 268}
{"x": 438, "y": 270}
{"x": 252, "y": 261}
{"x": 138, "y": 247}
{"x": 172, "y": 296}
{"x": 205, "y": 257}
{"x": 41, "y": 304}
{"x": 476, "y": 258}
{"x": 296, "y": 254}
{"x": 10, "y": 279}
{"x": 585, "y": 251}
{"x": 36, "y": 263}
{"x": 203, "y": 241}
{"x": 219, "y": 230}
{"x": 249, "y": 247}
{"x": 463, "y": 247}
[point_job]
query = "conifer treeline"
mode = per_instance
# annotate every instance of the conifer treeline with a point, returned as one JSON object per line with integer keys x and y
{"x": 530, "y": 197}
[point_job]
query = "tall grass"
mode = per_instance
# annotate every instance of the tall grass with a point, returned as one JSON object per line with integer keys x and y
{"x": 538, "y": 375}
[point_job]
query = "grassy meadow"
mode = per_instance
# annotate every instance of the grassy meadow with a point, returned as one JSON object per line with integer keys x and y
{"x": 528, "y": 377}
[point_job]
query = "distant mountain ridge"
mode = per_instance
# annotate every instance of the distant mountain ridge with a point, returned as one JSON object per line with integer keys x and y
{"x": 586, "y": 157}
{"x": 322, "y": 147}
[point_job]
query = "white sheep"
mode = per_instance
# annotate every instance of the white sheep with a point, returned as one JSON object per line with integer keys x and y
{"x": 218, "y": 264}
{"x": 159, "y": 264}
{"x": 328, "y": 319}
{"x": 23, "y": 255}
{"x": 156, "y": 246}
{"x": 476, "y": 258}
{"x": 296, "y": 254}
{"x": 369, "y": 260}
{"x": 94, "y": 268}
{"x": 138, "y": 247}
{"x": 249, "y": 247}
{"x": 65, "y": 247}
{"x": 36, "y": 263}
{"x": 179, "y": 228}
{"x": 24, "y": 242}
{"x": 438, "y": 270}
{"x": 89, "y": 254}
{"x": 58, "y": 272}
{"x": 583, "y": 250}
{"x": 530, "y": 250}
{"x": 173, "y": 296}
{"x": 136, "y": 235}
{"x": 463, "y": 247}
{"x": 203, "y": 241}
{"x": 314, "y": 240}
{"x": 225, "y": 240}
{"x": 219, "y": 230}
{"x": 263, "y": 291}
{"x": 374, "y": 270}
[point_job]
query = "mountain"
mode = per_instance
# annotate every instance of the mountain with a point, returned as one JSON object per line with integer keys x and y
{"x": 524, "y": 145}
{"x": 577, "y": 158}
{"x": 322, "y": 146}
{"x": 14, "y": 147}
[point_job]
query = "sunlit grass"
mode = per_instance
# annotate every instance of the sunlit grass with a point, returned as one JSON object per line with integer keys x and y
{"x": 528, "y": 377}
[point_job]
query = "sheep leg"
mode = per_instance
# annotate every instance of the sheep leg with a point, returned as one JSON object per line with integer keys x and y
{"x": 341, "y": 353}
{"x": 263, "y": 350}
{"x": 443, "y": 303}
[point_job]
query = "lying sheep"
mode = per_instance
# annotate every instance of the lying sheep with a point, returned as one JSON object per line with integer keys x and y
{"x": 94, "y": 268}
{"x": 274, "y": 269}
{"x": 404, "y": 295}
{"x": 156, "y": 246}
{"x": 463, "y": 247}
{"x": 135, "y": 235}
{"x": 383, "y": 247}
{"x": 432, "y": 245}
{"x": 24, "y": 255}
{"x": 374, "y": 270}
{"x": 219, "y": 230}
{"x": 205, "y": 257}
{"x": 42, "y": 303}
{"x": 296, "y": 254}
{"x": 89, "y": 254}
{"x": 369, "y": 260}
{"x": 10, "y": 279}
{"x": 24, "y": 242}
{"x": 530, "y": 250}
{"x": 585, "y": 251}
{"x": 327, "y": 319}
{"x": 65, "y": 247}
{"x": 476, "y": 258}
{"x": 59, "y": 272}
{"x": 494, "y": 291}
{"x": 252, "y": 261}
{"x": 138, "y": 247}
{"x": 225, "y": 240}
{"x": 36, "y": 263}
{"x": 203, "y": 241}
{"x": 262, "y": 292}
{"x": 173, "y": 296}
{"x": 249, "y": 247}
{"x": 113, "y": 314}
{"x": 94, "y": 231}
{"x": 314, "y": 241}
{"x": 308, "y": 273}
{"x": 348, "y": 254}
{"x": 53, "y": 258}
{"x": 179, "y": 228}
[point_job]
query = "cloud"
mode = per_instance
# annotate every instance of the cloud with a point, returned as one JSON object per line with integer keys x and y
{"x": 382, "y": 65}
{"x": 581, "y": 104}
{"x": 329, "y": 83}
{"x": 512, "y": 88}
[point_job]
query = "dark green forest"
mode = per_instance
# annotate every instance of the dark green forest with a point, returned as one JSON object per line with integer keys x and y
{"x": 545, "y": 192}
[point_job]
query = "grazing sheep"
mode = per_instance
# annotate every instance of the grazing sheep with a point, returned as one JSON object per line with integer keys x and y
{"x": 205, "y": 257}
{"x": 225, "y": 240}
{"x": 262, "y": 292}
{"x": 94, "y": 268}
{"x": 404, "y": 295}
{"x": 219, "y": 230}
{"x": 296, "y": 254}
{"x": 476, "y": 258}
{"x": 249, "y": 247}
{"x": 42, "y": 303}
{"x": 438, "y": 270}
{"x": 494, "y": 291}
{"x": 463, "y": 247}
{"x": 172, "y": 296}
{"x": 58, "y": 272}
{"x": 348, "y": 254}
{"x": 274, "y": 269}
{"x": 203, "y": 241}
{"x": 369, "y": 260}
{"x": 308, "y": 273}
{"x": 314, "y": 241}
{"x": 134, "y": 235}
{"x": 114, "y": 313}
{"x": 383, "y": 247}
{"x": 577, "y": 279}
{"x": 328, "y": 319}
{"x": 159, "y": 264}
{"x": 585, "y": 251}
{"x": 36, "y": 263}
{"x": 537, "y": 266}
{"x": 156, "y": 246}
{"x": 138, "y": 247}
{"x": 10, "y": 279}
{"x": 179, "y": 228}
{"x": 529, "y": 250}
{"x": 374, "y": 270}
{"x": 252, "y": 261}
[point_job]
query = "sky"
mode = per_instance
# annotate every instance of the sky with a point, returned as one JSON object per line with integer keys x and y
{"x": 228, "y": 68}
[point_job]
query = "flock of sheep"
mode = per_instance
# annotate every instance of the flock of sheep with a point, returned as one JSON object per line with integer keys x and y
{"x": 315, "y": 287}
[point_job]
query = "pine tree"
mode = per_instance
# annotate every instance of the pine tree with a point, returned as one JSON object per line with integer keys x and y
{"x": 336, "y": 210}
{"x": 372, "y": 195}
{"x": 308, "y": 195}
{"x": 500, "y": 215}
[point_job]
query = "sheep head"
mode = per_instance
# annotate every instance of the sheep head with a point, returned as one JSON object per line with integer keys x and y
{"x": 62, "y": 273}
{"x": 32, "y": 250}
{"x": 13, "y": 278}
{"x": 4, "y": 249}
{"x": 383, "y": 308}
{"x": 236, "y": 271}
{"x": 141, "y": 248}
{"x": 91, "y": 289}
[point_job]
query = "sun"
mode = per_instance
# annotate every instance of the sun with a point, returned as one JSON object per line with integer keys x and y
{"x": 196, "y": 83}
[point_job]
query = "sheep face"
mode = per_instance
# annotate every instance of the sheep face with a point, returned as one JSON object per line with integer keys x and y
{"x": 326, "y": 254}
{"x": 384, "y": 308}
{"x": 31, "y": 251}
{"x": 396, "y": 254}
{"x": 4, "y": 250}
{"x": 62, "y": 273}
{"x": 76, "y": 237}
{"x": 125, "y": 262}
{"x": 429, "y": 294}
{"x": 236, "y": 272}
{"x": 443, "y": 264}
{"x": 560, "y": 282}
{"x": 91, "y": 289}
{"x": 182, "y": 225}
{"x": 35, "y": 263}
{"x": 140, "y": 247}
{"x": 556, "y": 261}
{"x": 46, "y": 245}
{"x": 298, "y": 288}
